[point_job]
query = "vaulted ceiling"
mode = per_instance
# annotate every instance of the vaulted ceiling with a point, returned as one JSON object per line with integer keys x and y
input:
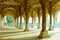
{"x": 31, "y": 5}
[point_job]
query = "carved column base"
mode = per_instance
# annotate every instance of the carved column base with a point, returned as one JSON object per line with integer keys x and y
{"x": 51, "y": 28}
{"x": 26, "y": 29}
{"x": 20, "y": 28}
{"x": 44, "y": 34}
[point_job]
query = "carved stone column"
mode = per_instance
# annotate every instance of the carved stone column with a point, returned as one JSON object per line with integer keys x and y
{"x": 38, "y": 22}
{"x": 39, "y": 18}
{"x": 55, "y": 20}
{"x": 24, "y": 22}
{"x": 1, "y": 21}
{"x": 20, "y": 22}
{"x": 32, "y": 22}
{"x": 44, "y": 32}
{"x": 51, "y": 28}
{"x": 15, "y": 23}
{"x": 51, "y": 15}
{"x": 26, "y": 9}
{"x": 26, "y": 26}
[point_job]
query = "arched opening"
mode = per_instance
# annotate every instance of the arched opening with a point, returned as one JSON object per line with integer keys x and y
{"x": 36, "y": 22}
{"x": 23, "y": 22}
{"x": 8, "y": 21}
{"x": 58, "y": 20}
{"x": 30, "y": 22}
{"x": 48, "y": 21}
{"x": 8, "y": 18}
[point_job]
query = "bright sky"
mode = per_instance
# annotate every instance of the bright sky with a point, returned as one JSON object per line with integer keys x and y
{"x": 58, "y": 18}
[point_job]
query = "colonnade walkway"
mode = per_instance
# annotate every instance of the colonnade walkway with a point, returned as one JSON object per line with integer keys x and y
{"x": 16, "y": 34}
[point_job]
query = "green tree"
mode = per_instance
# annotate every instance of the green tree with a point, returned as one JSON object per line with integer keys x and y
{"x": 9, "y": 19}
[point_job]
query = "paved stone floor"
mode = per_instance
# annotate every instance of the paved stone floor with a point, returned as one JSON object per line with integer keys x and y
{"x": 16, "y": 34}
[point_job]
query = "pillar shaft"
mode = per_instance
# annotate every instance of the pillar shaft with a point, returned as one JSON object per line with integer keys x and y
{"x": 20, "y": 22}
{"x": 39, "y": 18}
{"x": 50, "y": 20}
{"x": 26, "y": 22}
{"x": 20, "y": 17}
{"x": 44, "y": 33}
{"x": 26, "y": 26}
{"x": 55, "y": 21}
{"x": 44, "y": 20}
{"x": 1, "y": 21}
{"x": 15, "y": 23}
{"x": 26, "y": 13}
{"x": 32, "y": 22}
{"x": 51, "y": 15}
{"x": 38, "y": 22}
{"x": 50, "y": 28}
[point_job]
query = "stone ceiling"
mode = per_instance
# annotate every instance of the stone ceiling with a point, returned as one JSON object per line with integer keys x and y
{"x": 33, "y": 5}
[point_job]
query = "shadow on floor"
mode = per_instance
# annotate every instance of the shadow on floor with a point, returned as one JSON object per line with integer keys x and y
{"x": 25, "y": 38}
{"x": 14, "y": 33}
{"x": 4, "y": 33}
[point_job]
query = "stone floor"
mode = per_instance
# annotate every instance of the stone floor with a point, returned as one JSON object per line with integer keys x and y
{"x": 15, "y": 34}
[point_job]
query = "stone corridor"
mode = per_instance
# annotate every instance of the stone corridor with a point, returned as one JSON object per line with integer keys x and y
{"x": 13, "y": 11}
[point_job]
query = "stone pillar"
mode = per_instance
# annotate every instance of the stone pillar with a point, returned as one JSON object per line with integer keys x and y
{"x": 20, "y": 22}
{"x": 1, "y": 21}
{"x": 44, "y": 32}
{"x": 15, "y": 23}
{"x": 20, "y": 13}
{"x": 51, "y": 28}
{"x": 51, "y": 15}
{"x": 55, "y": 21}
{"x": 26, "y": 9}
{"x": 32, "y": 22}
{"x": 38, "y": 22}
{"x": 25, "y": 21}
{"x": 39, "y": 18}
{"x": 26, "y": 26}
